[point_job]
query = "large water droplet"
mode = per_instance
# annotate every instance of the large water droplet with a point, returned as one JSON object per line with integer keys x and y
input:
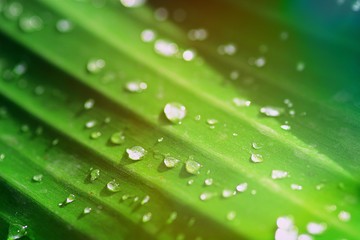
{"x": 316, "y": 228}
{"x": 136, "y": 153}
{"x": 256, "y": 158}
{"x": 95, "y": 65}
{"x": 285, "y": 222}
{"x": 16, "y": 231}
{"x": 242, "y": 187}
{"x": 117, "y": 138}
{"x": 344, "y": 216}
{"x": 90, "y": 124}
{"x": 188, "y": 55}
{"x": 171, "y": 162}
{"x": 113, "y": 186}
{"x": 192, "y": 167}
{"x": 87, "y": 210}
{"x": 175, "y": 112}
{"x": 71, "y": 198}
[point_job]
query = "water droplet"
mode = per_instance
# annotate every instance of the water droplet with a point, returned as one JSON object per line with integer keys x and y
{"x": 95, "y": 135}
{"x": 206, "y": 196}
{"x": 231, "y": 215}
{"x": 39, "y": 90}
{"x": 279, "y": 174}
{"x": 304, "y": 237}
{"x": 24, "y": 128}
{"x": 260, "y": 62}
{"x": 188, "y": 55}
{"x": 284, "y": 36}
{"x": 146, "y": 217}
{"x": 95, "y": 65}
{"x": 161, "y": 14}
{"x": 234, "y": 75}
{"x": 68, "y": 200}
{"x": 90, "y": 124}
{"x": 285, "y": 127}
{"x": 256, "y": 158}
{"x": 190, "y": 182}
{"x": 212, "y": 121}
{"x": 20, "y": 69}
{"x": 316, "y": 228}
{"x": 89, "y": 104}
{"x": 2, "y": 156}
{"x": 145, "y": 200}
{"x": 282, "y": 234}
{"x": 172, "y": 218}
{"x": 197, "y": 118}
{"x": 175, "y": 112}
{"x": 165, "y": 48}
{"x": 256, "y": 146}
{"x": 87, "y": 210}
{"x": 239, "y": 102}
{"x": 226, "y": 193}
{"x": 296, "y": 187}
{"x": 37, "y": 178}
{"x": 271, "y": 111}
{"x": 136, "y": 86}
{"x": 160, "y": 139}
{"x": 192, "y": 167}
{"x": 285, "y": 222}
{"x": 148, "y": 35}
{"x": 55, "y": 141}
{"x": 117, "y": 138}
{"x": 344, "y": 216}
{"x": 64, "y": 25}
{"x": 208, "y": 182}
{"x": 94, "y": 174}
{"x": 197, "y": 34}
{"x": 300, "y": 66}
{"x": 132, "y": 3}
{"x": 16, "y": 231}
{"x": 242, "y": 187}
{"x": 227, "y": 49}
{"x": 356, "y": 6}
{"x": 113, "y": 186}
{"x": 31, "y": 24}
{"x": 136, "y": 153}
{"x": 171, "y": 162}
{"x": 13, "y": 10}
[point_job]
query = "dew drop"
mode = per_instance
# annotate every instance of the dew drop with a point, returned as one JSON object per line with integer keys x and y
{"x": 171, "y": 162}
{"x": 279, "y": 174}
{"x": 89, "y": 104}
{"x": 285, "y": 127}
{"x": 39, "y": 90}
{"x": 304, "y": 237}
{"x": 95, "y": 65}
{"x": 172, "y": 218}
{"x": 136, "y": 153}
{"x": 148, "y": 35}
{"x": 90, "y": 124}
{"x": 132, "y": 3}
{"x": 113, "y": 186}
{"x": 87, "y": 210}
{"x": 37, "y": 178}
{"x": 146, "y": 217}
{"x": 270, "y": 111}
{"x": 296, "y": 187}
{"x": 282, "y": 234}
{"x": 197, "y": 34}
{"x": 256, "y": 146}
{"x": 239, "y": 102}
{"x": 188, "y": 55}
{"x": 226, "y": 193}
{"x": 31, "y": 24}
{"x": 71, "y": 198}
{"x": 175, "y": 112}
{"x": 206, "y": 196}
{"x": 95, "y": 135}
{"x": 260, "y": 62}
{"x": 227, "y": 49}
{"x": 136, "y": 86}
{"x": 242, "y": 187}
{"x": 94, "y": 174}
{"x": 2, "y": 156}
{"x": 117, "y": 138}
{"x": 231, "y": 215}
{"x": 316, "y": 228}
{"x": 256, "y": 158}
{"x": 64, "y": 26}
{"x": 13, "y": 10}
{"x": 166, "y": 48}
{"x": 192, "y": 167}
{"x": 344, "y": 216}
{"x": 212, "y": 121}
{"x": 16, "y": 231}
{"x": 190, "y": 182}
{"x": 208, "y": 182}
{"x": 145, "y": 200}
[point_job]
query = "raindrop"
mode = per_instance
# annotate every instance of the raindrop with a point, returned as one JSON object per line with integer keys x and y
{"x": 256, "y": 146}
{"x": 132, "y": 3}
{"x": 279, "y": 174}
{"x": 148, "y": 35}
{"x": 136, "y": 153}
{"x": 90, "y": 124}
{"x": 171, "y": 162}
{"x": 136, "y": 86}
{"x": 87, "y": 210}
{"x": 239, "y": 102}
{"x": 89, "y": 104}
{"x": 37, "y": 178}
{"x": 20, "y": 69}
{"x": 282, "y": 234}
{"x": 71, "y": 198}
{"x": 31, "y": 24}
{"x": 175, "y": 112}
{"x": 212, "y": 121}
{"x": 165, "y": 48}
{"x": 146, "y": 217}
{"x": 285, "y": 223}
{"x": 208, "y": 182}
{"x": 145, "y": 200}
{"x": 64, "y": 25}
{"x": 285, "y": 127}
{"x": 206, "y": 196}
{"x": 190, "y": 182}
{"x": 2, "y": 156}
{"x": 94, "y": 174}
{"x": 256, "y": 158}
{"x": 271, "y": 111}
{"x": 117, "y": 138}
{"x": 226, "y": 193}
{"x": 344, "y": 216}
{"x": 296, "y": 187}
{"x": 188, "y": 55}
{"x": 39, "y": 90}
{"x": 316, "y": 228}
{"x": 16, "y": 231}
{"x": 95, "y": 135}
{"x": 95, "y": 65}
{"x": 113, "y": 186}
{"x": 227, "y": 49}
{"x": 231, "y": 215}
{"x": 260, "y": 62}
{"x": 242, "y": 187}
{"x": 192, "y": 167}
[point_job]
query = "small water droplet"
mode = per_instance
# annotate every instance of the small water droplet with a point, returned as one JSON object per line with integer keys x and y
{"x": 226, "y": 193}
{"x": 89, "y": 104}
{"x": 113, "y": 186}
{"x": 39, "y": 90}
{"x": 344, "y": 216}
{"x": 171, "y": 162}
{"x": 16, "y": 231}
{"x": 260, "y": 62}
{"x": 31, "y": 24}
{"x": 136, "y": 86}
{"x": 145, "y": 200}
{"x": 71, "y": 198}
{"x": 296, "y": 187}
{"x": 90, "y": 124}
{"x": 234, "y": 75}
{"x": 24, "y": 128}
{"x": 136, "y": 153}
{"x": 227, "y": 49}
{"x": 175, "y": 112}
{"x": 208, "y": 182}
{"x": 316, "y": 228}
{"x": 206, "y": 196}
{"x": 160, "y": 139}
{"x": 285, "y": 127}
{"x": 188, "y": 55}
{"x": 94, "y": 174}
{"x": 212, "y": 121}
{"x": 2, "y": 157}
{"x": 231, "y": 215}
{"x": 172, "y": 218}
{"x": 20, "y": 69}
{"x": 239, "y": 102}
{"x": 117, "y": 138}
{"x": 64, "y": 25}
{"x": 242, "y": 187}
{"x": 146, "y": 217}
{"x": 13, "y": 10}
{"x": 95, "y": 135}
{"x": 284, "y": 36}
{"x": 190, "y": 182}
{"x": 37, "y": 178}
{"x": 256, "y": 146}
{"x": 282, "y": 234}
{"x": 87, "y": 210}
{"x": 279, "y": 174}
{"x": 271, "y": 111}
{"x": 132, "y": 3}
{"x": 197, "y": 34}
{"x": 304, "y": 237}
{"x": 192, "y": 167}
{"x": 161, "y": 14}
{"x": 300, "y": 66}
{"x": 256, "y": 158}
{"x": 197, "y": 118}
{"x": 148, "y": 35}
{"x": 125, "y": 197}
{"x": 95, "y": 65}
{"x": 165, "y": 48}
{"x": 55, "y": 142}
